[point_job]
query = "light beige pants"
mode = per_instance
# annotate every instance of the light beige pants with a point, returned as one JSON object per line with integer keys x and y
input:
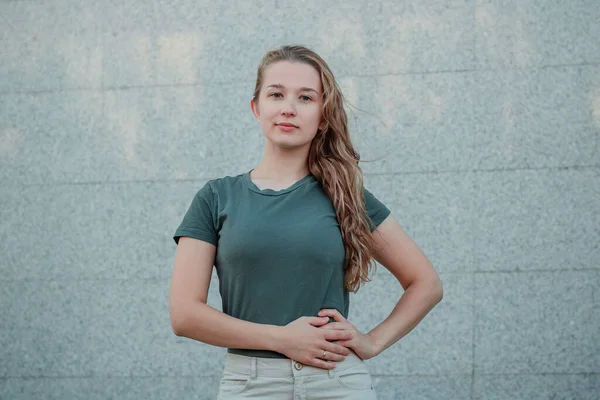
{"x": 284, "y": 379}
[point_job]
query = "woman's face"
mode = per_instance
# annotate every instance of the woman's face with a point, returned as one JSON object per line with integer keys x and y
{"x": 289, "y": 104}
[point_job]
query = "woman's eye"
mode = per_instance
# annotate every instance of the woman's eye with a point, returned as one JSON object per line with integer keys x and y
{"x": 305, "y": 98}
{"x": 276, "y": 95}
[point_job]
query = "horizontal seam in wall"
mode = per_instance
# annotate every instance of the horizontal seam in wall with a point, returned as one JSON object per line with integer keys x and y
{"x": 215, "y": 280}
{"x": 99, "y": 88}
{"x": 537, "y": 271}
{"x": 128, "y": 377}
{"x": 540, "y": 374}
{"x": 366, "y": 174}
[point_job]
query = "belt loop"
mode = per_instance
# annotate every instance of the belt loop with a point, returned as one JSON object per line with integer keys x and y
{"x": 253, "y": 372}
{"x": 331, "y": 373}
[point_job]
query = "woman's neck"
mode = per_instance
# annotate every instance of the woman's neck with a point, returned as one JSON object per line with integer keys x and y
{"x": 280, "y": 166}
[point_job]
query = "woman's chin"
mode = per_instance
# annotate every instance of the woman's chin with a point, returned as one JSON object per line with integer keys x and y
{"x": 288, "y": 143}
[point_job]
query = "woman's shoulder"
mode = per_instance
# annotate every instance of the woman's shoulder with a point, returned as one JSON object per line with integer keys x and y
{"x": 226, "y": 183}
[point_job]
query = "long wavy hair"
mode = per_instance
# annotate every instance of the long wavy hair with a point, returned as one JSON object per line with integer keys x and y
{"x": 333, "y": 161}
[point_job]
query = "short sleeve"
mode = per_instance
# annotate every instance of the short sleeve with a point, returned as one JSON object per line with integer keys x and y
{"x": 199, "y": 220}
{"x": 376, "y": 210}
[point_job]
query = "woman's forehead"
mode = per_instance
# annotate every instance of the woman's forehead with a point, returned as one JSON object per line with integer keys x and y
{"x": 294, "y": 76}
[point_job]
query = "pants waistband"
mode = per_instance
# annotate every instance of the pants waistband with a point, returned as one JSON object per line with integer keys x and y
{"x": 282, "y": 367}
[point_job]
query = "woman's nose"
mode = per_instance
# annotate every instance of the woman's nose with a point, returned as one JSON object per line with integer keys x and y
{"x": 288, "y": 110}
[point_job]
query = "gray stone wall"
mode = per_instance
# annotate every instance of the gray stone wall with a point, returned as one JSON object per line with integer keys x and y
{"x": 482, "y": 121}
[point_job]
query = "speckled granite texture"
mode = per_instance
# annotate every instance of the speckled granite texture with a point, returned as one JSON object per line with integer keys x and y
{"x": 482, "y": 132}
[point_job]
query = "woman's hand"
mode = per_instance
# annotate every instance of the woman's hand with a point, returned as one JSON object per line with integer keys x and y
{"x": 301, "y": 340}
{"x": 363, "y": 345}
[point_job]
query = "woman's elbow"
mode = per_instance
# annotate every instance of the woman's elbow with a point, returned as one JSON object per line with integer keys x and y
{"x": 436, "y": 288}
{"x": 431, "y": 286}
{"x": 178, "y": 319}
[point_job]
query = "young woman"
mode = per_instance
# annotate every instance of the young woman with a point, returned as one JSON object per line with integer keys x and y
{"x": 289, "y": 240}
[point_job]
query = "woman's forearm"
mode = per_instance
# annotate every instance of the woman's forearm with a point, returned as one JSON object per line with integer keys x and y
{"x": 208, "y": 325}
{"x": 418, "y": 299}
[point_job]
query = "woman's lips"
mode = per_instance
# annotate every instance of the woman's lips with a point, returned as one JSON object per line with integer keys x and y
{"x": 286, "y": 126}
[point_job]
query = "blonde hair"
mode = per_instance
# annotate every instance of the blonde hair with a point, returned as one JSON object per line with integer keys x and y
{"x": 333, "y": 161}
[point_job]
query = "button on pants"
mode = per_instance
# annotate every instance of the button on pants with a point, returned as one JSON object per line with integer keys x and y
{"x": 284, "y": 379}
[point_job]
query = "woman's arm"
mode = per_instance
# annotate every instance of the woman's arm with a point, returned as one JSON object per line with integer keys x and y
{"x": 190, "y": 314}
{"x": 191, "y": 317}
{"x": 397, "y": 252}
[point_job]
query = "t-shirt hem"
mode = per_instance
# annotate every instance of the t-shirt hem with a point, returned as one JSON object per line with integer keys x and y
{"x": 378, "y": 218}
{"x": 194, "y": 234}
{"x": 257, "y": 353}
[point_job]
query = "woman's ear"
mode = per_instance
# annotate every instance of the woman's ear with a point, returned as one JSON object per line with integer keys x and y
{"x": 322, "y": 125}
{"x": 254, "y": 108}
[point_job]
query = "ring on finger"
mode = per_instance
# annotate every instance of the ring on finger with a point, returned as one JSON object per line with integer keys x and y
{"x": 324, "y": 353}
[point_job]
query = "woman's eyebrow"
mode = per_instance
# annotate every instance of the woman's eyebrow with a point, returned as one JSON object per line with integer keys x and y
{"x": 302, "y": 89}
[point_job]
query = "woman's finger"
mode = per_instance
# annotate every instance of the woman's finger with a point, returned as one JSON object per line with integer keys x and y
{"x": 337, "y": 348}
{"x": 345, "y": 343}
{"x": 336, "y": 325}
{"x": 317, "y": 362}
{"x": 333, "y": 355}
{"x": 328, "y": 312}
{"x": 317, "y": 321}
{"x": 336, "y": 334}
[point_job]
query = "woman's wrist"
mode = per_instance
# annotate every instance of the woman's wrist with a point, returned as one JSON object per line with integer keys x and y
{"x": 377, "y": 345}
{"x": 274, "y": 338}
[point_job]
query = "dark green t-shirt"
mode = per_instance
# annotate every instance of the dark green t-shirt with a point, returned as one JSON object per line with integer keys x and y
{"x": 280, "y": 254}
